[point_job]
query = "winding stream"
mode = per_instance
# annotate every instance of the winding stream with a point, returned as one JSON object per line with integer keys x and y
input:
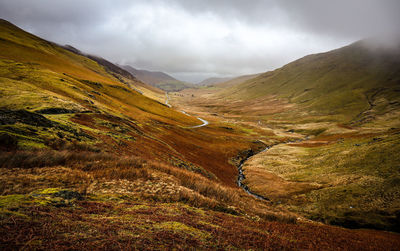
{"x": 241, "y": 175}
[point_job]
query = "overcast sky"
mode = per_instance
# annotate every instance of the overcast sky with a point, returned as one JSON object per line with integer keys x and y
{"x": 196, "y": 39}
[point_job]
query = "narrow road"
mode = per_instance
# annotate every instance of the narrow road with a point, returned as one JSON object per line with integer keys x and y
{"x": 205, "y": 122}
{"x": 167, "y": 100}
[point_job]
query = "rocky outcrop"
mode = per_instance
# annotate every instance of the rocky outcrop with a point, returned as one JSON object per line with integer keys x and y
{"x": 10, "y": 117}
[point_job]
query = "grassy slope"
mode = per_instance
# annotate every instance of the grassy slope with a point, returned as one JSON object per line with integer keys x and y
{"x": 30, "y": 59}
{"x": 336, "y": 82}
{"x": 123, "y": 76}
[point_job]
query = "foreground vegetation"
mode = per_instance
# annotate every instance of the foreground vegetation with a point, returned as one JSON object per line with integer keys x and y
{"x": 60, "y": 200}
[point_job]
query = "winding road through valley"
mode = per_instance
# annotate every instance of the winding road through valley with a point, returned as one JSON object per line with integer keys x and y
{"x": 205, "y": 122}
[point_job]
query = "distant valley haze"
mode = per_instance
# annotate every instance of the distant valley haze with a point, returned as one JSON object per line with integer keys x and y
{"x": 198, "y": 39}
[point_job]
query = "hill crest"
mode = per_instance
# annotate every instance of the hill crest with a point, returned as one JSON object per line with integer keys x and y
{"x": 158, "y": 79}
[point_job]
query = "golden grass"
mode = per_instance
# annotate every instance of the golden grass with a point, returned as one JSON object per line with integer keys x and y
{"x": 43, "y": 65}
{"x": 79, "y": 170}
{"x": 351, "y": 182}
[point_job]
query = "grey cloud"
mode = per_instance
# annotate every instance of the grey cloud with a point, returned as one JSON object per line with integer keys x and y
{"x": 199, "y": 38}
{"x": 359, "y": 18}
{"x": 356, "y": 18}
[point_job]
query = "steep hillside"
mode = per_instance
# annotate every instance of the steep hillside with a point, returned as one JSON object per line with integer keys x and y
{"x": 343, "y": 82}
{"x": 158, "y": 79}
{"x": 122, "y": 75}
{"x": 48, "y": 67}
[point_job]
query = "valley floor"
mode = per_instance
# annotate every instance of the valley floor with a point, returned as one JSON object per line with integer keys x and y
{"x": 338, "y": 174}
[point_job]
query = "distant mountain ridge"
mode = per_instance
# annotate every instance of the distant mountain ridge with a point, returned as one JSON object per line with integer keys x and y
{"x": 235, "y": 81}
{"x": 150, "y": 77}
{"x": 158, "y": 79}
{"x": 214, "y": 80}
{"x": 115, "y": 70}
{"x": 109, "y": 66}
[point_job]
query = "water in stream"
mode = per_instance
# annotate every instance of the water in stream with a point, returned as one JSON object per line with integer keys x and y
{"x": 241, "y": 175}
